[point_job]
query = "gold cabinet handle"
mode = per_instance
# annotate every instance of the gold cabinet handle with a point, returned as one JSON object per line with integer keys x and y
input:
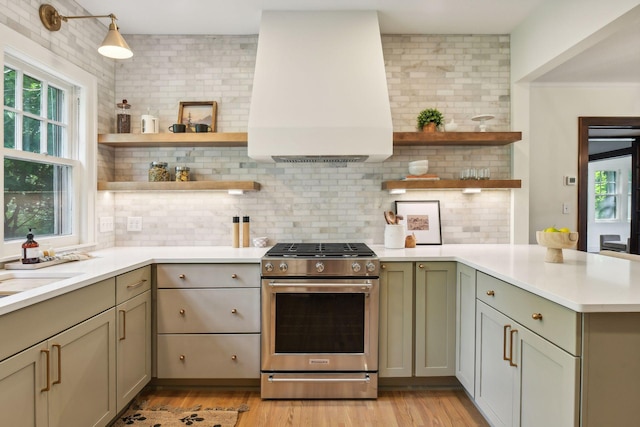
{"x": 182, "y": 312}
{"x": 135, "y": 285}
{"x": 234, "y": 276}
{"x": 234, "y": 311}
{"x": 182, "y": 357}
{"x": 420, "y": 265}
{"x": 383, "y": 266}
{"x": 234, "y": 357}
{"x": 182, "y": 276}
{"x": 511, "y": 362}
{"x": 491, "y": 293}
{"x": 536, "y": 316}
{"x": 504, "y": 342}
{"x": 124, "y": 325}
{"x": 59, "y": 347}
{"x": 48, "y": 387}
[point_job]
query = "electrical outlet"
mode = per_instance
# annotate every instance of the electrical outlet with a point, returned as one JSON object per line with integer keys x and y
{"x": 565, "y": 208}
{"x": 106, "y": 224}
{"x": 134, "y": 223}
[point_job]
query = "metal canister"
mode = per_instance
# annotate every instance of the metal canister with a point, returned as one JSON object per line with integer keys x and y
{"x": 182, "y": 173}
{"x": 159, "y": 172}
{"x": 123, "y": 117}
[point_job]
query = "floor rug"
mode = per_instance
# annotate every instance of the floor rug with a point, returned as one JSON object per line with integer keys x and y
{"x": 138, "y": 415}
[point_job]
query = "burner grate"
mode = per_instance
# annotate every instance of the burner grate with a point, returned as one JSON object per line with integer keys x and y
{"x": 320, "y": 249}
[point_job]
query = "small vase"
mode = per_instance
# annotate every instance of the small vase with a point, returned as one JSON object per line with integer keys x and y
{"x": 429, "y": 127}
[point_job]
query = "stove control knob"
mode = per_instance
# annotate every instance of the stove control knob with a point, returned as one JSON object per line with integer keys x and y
{"x": 284, "y": 267}
{"x": 268, "y": 267}
{"x": 371, "y": 267}
{"x": 319, "y": 267}
{"x": 356, "y": 267}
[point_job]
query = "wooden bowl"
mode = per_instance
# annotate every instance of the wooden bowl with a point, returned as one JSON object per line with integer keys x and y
{"x": 555, "y": 242}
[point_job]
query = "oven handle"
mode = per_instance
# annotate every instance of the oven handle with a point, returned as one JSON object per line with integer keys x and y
{"x": 359, "y": 286}
{"x": 366, "y": 379}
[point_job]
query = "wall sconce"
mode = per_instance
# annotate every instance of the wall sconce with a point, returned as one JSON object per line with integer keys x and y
{"x": 113, "y": 45}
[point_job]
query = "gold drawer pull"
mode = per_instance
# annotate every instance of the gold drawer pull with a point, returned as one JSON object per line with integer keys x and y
{"x": 234, "y": 357}
{"x": 511, "y": 362}
{"x": 124, "y": 325}
{"x": 234, "y": 311}
{"x": 536, "y": 316}
{"x": 420, "y": 265}
{"x": 182, "y": 276}
{"x": 234, "y": 276}
{"x": 135, "y": 285}
{"x": 59, "y": 347}
{"x": 182, "y": 312}
{"x": 491, "y": 293}
{"x": 383, "y": 266}
{"x": 182, "y": 357}
{"x": 48, "y": 387}
{"x": 504, "y": 342}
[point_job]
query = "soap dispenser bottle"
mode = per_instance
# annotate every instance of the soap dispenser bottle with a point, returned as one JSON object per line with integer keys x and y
{"x": 30, "y": 251}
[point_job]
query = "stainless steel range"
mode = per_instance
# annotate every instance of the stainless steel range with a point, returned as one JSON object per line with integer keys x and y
{"x": 320, "y": 321}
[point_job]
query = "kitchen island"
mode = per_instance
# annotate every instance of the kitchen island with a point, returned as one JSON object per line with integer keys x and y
{"x": 529, "y": 335}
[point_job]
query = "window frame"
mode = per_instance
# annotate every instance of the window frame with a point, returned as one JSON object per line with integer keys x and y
{"x": 83, "y": 144}
{"x": 615, "y": 195}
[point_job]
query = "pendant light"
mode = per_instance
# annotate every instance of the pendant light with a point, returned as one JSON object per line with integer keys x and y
{"x": 113, "y": 46}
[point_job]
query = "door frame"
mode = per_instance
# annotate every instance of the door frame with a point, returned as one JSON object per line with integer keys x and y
{"x": 583, "y": 176}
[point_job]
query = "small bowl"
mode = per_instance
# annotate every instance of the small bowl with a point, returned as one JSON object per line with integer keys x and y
{"x": 419, "y": 167}
{"x": 260, "y": 242}
{"x": 555, "y": 242}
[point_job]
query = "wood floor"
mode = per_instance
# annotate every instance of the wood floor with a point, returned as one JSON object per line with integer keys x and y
{"x": 439, "y": 408}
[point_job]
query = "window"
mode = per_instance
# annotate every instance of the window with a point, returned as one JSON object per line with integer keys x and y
{"x": 37, "y": 188}
{"x": 606, "y": 192}
{"x": 49, "y": 148}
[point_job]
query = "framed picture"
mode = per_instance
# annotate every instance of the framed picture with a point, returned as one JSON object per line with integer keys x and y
{"x": 198, "y": 112}
{"x": 422, "y": 218}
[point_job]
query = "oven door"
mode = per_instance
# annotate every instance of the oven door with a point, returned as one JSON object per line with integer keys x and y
{"x": 311, "y": 325}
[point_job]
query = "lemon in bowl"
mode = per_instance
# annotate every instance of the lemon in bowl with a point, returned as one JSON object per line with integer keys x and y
{"x": 555, "y": 241}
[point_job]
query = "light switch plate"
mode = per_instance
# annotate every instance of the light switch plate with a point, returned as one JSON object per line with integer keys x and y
{"x": 134, "y": 223}
{"x": 106, "y": 224}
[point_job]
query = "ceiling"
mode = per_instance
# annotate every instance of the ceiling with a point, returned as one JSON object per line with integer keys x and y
{"x": 615, "y": 59}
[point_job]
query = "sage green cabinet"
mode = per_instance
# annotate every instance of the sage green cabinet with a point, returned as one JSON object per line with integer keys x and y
{"x": 417, "y": 319}
{"x": 466, "y": 327}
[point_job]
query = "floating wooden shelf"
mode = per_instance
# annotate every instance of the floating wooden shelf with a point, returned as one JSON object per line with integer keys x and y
{"x": 204, "y": 139}
{"x": 179, "y": 186}
{"x": 443, "y": 184}
{"x": 239, "y": 139}
{"x": 403, "y": 139}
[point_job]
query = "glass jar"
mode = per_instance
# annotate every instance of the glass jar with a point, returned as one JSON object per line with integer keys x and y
{"x": 182, "y": 173}
{"x": 123, "y": 117}
{"x": 159, "y": 172}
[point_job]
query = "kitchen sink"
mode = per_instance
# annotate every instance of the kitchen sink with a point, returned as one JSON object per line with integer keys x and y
{"x": 19, "y": 281}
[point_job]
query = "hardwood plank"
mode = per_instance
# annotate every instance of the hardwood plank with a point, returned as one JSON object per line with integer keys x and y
{"x": 439, "y": 407}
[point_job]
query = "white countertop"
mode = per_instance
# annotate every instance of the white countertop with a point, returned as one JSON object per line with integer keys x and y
{"x": 584, "y": 282}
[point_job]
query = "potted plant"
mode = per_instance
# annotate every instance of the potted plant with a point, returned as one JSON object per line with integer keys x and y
{"x": 429, "y": 119}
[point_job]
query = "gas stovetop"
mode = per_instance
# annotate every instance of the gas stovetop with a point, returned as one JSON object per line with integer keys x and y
{"x": 320, "y": 260}
{"x": 320, "y": 250}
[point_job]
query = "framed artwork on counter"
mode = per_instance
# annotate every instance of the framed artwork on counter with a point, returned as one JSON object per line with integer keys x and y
{"x": 192, "y": 113}
{"x": 422, "y": 218}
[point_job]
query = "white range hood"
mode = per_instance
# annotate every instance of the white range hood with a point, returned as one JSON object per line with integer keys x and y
{"x": 320, "y": 89}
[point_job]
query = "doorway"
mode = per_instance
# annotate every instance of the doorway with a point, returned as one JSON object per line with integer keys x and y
{"x": 611, "y": 145}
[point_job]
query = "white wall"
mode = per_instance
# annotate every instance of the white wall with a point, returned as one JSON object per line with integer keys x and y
{"x": 554, "y": 112}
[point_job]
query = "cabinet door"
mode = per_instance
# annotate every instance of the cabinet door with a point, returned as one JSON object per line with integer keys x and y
{"x": 22, "y": 380}
{"x": 466, "y": 327}
{"x": 396, "y": 319}
{"x": 133, "y": 347}
{"x": 435, "y": 318}
{"x": 549, "y": 378}
{"x": 497, "y": 386}
{"x": 83, "y": 374}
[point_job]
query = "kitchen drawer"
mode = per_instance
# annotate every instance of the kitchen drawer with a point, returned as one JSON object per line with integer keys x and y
{"x": 209, "y": 356}
{"x": 208, "y": 310}
{"x": 208, "y": 276}
{"x": 133, "y": 283}
{"x": 558, "y": 324}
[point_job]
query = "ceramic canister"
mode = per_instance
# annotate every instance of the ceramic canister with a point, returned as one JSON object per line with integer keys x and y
{"x": 394, "y": 236}
{"x": 149, "y": 124}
